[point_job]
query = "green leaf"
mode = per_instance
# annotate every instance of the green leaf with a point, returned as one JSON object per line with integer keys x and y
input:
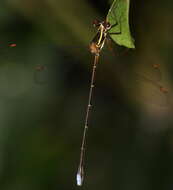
{"x": 118, "y": 15}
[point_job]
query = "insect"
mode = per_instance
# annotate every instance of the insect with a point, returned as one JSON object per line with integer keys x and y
{"x": 95, "y": 47}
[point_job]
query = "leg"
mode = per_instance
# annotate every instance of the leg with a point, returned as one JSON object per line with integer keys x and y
{"x": 114, "y": 25}
{"x": 111, "y": 33}
{"x": 119, "y": 32}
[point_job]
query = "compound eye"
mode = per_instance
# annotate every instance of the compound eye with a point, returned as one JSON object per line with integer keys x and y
{"x": 108, "y": 25}
{"x": 96, "y": 22}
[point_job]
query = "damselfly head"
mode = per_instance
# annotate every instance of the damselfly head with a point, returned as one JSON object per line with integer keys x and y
{"x": 106, "y": 25}
{"x": 96, "y": 23}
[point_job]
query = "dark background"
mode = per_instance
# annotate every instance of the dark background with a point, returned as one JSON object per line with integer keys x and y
{"x": 44, "y": 84}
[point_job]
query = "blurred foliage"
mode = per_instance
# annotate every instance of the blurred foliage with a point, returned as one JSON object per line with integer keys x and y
{"x": 44, "y": 84}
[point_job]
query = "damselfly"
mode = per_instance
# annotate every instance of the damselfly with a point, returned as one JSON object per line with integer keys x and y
{"x": 95, "y": 46}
